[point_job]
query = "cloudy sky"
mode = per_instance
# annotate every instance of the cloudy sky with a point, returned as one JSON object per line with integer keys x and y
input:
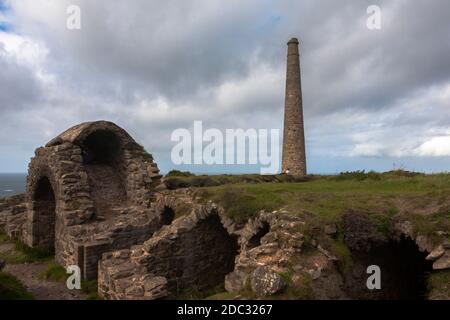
{"x": 373, "y": 99}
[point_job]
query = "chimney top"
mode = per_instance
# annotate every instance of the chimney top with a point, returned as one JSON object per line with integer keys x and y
{"x": 293, "y": 40}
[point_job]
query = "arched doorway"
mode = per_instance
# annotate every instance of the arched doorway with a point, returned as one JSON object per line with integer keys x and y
{"x": 44, "y": 219}
{"x": 102, "y": 157}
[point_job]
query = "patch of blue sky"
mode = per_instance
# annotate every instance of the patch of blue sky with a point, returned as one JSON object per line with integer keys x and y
{"x": 5, "y": 27}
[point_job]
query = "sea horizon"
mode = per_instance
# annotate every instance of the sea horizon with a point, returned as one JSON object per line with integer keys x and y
{"x": 12, "y": 184}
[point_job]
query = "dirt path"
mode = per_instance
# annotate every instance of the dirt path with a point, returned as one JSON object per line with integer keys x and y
{"x": 29, "y": 275}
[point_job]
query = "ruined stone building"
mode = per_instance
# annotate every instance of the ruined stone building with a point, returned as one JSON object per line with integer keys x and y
{"x": 89, "y": 191}
{"x": 294, "y": 156}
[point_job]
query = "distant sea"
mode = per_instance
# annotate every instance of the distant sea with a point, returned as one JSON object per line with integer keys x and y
{"x": 12, "y": 184}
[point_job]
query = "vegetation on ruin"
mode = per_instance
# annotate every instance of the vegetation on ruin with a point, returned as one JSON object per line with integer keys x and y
{"x": 89, "y": 287}
{"x": 26, "y": 254}
{"x": 54, "y": 272}
{"x": 12, "y": 289}
{"x": 3, "y": 237}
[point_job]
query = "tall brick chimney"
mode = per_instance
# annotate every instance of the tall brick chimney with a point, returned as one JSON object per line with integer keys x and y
{"x": 294, "y": 156}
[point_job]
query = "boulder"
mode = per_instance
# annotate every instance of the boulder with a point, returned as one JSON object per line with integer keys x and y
{"x": 265, "y": 282}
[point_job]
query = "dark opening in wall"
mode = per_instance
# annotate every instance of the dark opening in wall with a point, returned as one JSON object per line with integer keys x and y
{"x": 44, "y": 214}
{"x": 103, "y": 163}
{"x": 255, "y": 240}
{"x": 167, "y": 216}
{"x": 101, "y": 147}
{"x": 203, "y": 257}
{"x": 404, "y": 272}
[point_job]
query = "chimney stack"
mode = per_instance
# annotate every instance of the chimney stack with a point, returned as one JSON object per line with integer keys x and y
{"x": 294, "y": 156}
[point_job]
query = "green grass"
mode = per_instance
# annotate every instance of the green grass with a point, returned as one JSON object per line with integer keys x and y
{"x": 225, "y": 295}
{"x": 54, "y": 272}
{"x": 12, "y": 289}
{"x": 301, "y": 291}
{"x": 90, "y": 287}
{"x": 342, "y": 252}
{"x": 4, "y": 238}
{"x": 329, "y": 197}
{"x": 26, "y": 254}
{"x": 181, "y": 179}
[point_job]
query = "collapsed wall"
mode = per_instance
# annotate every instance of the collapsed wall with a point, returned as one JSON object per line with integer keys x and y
{"x": 196, "y": 252}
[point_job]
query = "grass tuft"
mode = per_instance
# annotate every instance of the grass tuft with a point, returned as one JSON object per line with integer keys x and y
{"x": 12, "y": 289}
{"x": 54, "y": 272}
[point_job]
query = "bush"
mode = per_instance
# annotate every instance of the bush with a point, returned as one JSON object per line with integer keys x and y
{"x": 358, "y": 175}
{"x": 178, "y": 173}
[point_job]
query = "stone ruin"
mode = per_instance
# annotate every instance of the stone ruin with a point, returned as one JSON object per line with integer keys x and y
{"x": 89, "y": 191}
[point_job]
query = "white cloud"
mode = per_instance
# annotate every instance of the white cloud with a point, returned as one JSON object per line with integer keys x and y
{"x": 435, "y": 147}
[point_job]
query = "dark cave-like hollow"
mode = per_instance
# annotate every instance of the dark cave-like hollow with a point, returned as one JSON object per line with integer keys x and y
{"x": 44, "y": 205}
{"x": 167, "y": 216}
{"x": 255, "y": 240}
{"x": 404, "y": 272}
{"x": 204, "y": 256}
{"x": 101, "y": 147}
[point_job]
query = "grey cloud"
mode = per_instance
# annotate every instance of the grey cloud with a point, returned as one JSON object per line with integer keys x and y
{"x": 19, "y": 87}
{"x": 133, "y": 53}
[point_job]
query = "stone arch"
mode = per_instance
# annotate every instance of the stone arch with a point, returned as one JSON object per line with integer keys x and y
{"x": 102, "y": 156}
{"x": 43, "y": 202}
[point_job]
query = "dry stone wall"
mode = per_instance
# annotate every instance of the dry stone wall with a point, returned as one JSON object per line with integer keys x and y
{"x": 72, "y": 202}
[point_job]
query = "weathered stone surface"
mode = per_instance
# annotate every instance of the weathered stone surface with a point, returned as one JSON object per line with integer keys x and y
{"x": 265, "y": 282}
{"x": 443, "y": 262}
{"x": 155, "y": 288}
{"x": 294, "y": 156}
{"x": 194, "y": 250}
{"x": 424, "y": 243}
{"x": 2, "y": 264}
{"x": 436, "y": 253}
